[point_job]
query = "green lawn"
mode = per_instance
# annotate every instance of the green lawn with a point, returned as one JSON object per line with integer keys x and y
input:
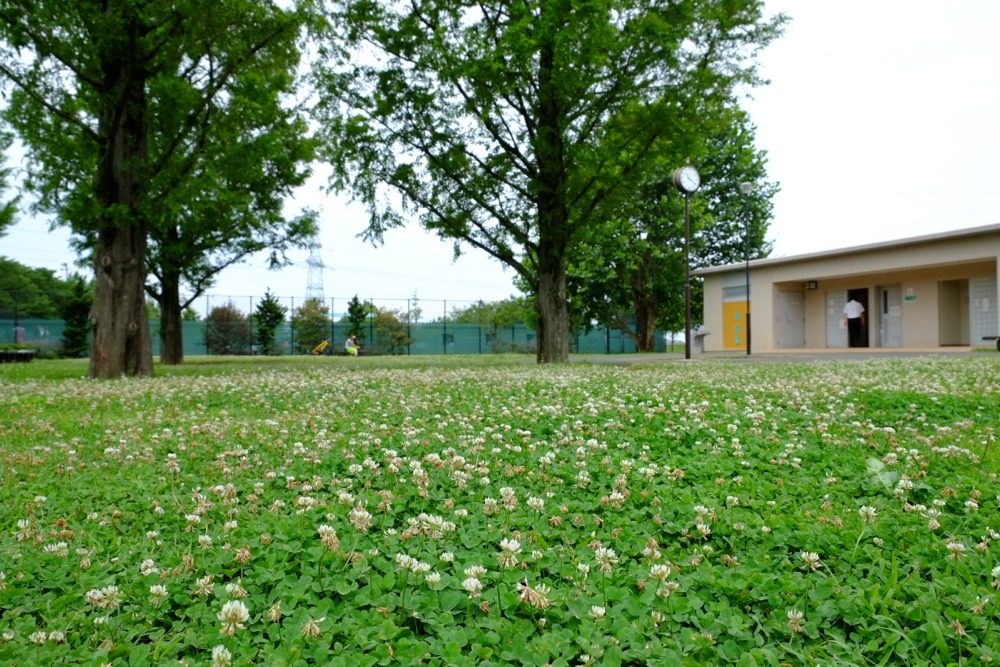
{"x": 488, "y": 511}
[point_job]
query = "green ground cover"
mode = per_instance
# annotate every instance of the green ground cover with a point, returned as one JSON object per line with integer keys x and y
{"x": 487, "y": 511}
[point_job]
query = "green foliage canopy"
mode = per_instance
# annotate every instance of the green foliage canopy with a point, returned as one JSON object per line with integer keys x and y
{"x": 512, "y": 128}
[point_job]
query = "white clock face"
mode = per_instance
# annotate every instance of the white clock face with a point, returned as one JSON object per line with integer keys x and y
{"x": 687, "y": 179}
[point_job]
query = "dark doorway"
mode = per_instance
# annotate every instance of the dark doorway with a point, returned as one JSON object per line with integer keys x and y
{"x": 861, "y": 296}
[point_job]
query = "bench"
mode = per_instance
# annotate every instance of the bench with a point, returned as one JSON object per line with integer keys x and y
{"x": 996, "y": 338}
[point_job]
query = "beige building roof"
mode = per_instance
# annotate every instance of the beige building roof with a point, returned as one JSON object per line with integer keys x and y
{"x": 853, "y": 250}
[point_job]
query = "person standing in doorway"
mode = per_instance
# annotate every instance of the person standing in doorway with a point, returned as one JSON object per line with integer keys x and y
{"x": 854, "y": 313}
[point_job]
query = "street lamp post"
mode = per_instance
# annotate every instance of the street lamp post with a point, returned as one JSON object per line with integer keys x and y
{"x": 746, "y": 188}
{"x": 687, "y": 180}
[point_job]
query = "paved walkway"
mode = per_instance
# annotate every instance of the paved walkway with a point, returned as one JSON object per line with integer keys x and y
{"x": 796, "y": 355}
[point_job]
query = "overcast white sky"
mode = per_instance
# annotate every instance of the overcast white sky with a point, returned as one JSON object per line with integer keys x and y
{"x": 880, "y": 122}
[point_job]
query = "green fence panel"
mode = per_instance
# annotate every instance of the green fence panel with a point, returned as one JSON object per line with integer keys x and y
{"x": 426, "y": 337}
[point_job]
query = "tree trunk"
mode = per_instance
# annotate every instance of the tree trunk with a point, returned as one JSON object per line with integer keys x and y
{"x": 121, "y": 342}
{"x": 645, "y": 326}
{"x": 553, "y": 219}
{"x": 553, "y": 311}
{"x": 171, "y": 325}
{"x": 646, "y": 305}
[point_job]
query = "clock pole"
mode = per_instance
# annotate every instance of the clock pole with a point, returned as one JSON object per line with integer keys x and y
{"x": 687, "y": 275}
{"x": 687, "y": 180}
{"x": 746, "y": 188}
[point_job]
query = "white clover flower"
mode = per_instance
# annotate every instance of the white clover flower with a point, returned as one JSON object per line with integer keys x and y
{"x": 38, "y": 637}
{"x": 509, "y": 550}
{"x": 956, "y": 549}
{"x": 328, "y": 536}
{"x": 236, "y": 590}
{"x": 360, "y": 518}
{"x": 597, "y": 612}
{"x": 795, "y": 620}
{"x": 473, "y": 587}
{"x": 311, "y": 628}
{"x": 667, "y": 589}
{"x": 447, "y": 557}
{"x": 406, "y": 563}
{"x": 221, "y": 657}
{"x": 157, "y": 593}
{"x": 148, "y": 566}
{"x": 60, "y": 549}
{"x": 234, "y": 616}
{"x": 868, "y": 514}
{"x": 476, "y": 571}
{"x": 433, "y": 578}
{"x": 811, "y": 560}
{"x": 606, "y": 559}
{"x": 660, "y": 571}
{"x": 108, "y": 597}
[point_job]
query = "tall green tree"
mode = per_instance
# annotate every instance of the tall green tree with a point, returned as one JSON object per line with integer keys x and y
{"x": 311, "y": 324}
{"x": 228, "y": 149}
{"x": 494, "y": 318}
{"x": 357, "y": 315}
{"x": 132, "y": 114}
{"x": 75, "y": 312}
{"x": 513, "y": 127}
{"x": 391, "y": 331}
{"x": 270, "y": 314}
{"x": 227, "y": 330}
{"x": 30, "y": 292}
{"x": 629, "y": 273}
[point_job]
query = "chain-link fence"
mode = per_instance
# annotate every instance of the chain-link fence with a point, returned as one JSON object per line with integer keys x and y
{"x": 418, "y": 327}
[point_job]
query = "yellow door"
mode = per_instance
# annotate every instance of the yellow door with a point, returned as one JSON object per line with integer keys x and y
{"x": 734, "y": 325}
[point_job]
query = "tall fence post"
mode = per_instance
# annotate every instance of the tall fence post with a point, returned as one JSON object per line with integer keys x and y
{"x": 204, "y": 332}
{"x": 252, "y": 353}
{"x": 333, "y": 323}
{"x": 371, "y": 323}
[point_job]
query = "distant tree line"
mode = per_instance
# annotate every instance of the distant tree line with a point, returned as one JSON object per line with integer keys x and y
{"x": 32, "y": 293}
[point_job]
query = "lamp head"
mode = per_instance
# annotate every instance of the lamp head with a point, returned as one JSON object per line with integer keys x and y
{"x": 746, "y": 187}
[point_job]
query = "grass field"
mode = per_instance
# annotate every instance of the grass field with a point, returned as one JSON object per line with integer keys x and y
{"x": 487, "y": 511}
